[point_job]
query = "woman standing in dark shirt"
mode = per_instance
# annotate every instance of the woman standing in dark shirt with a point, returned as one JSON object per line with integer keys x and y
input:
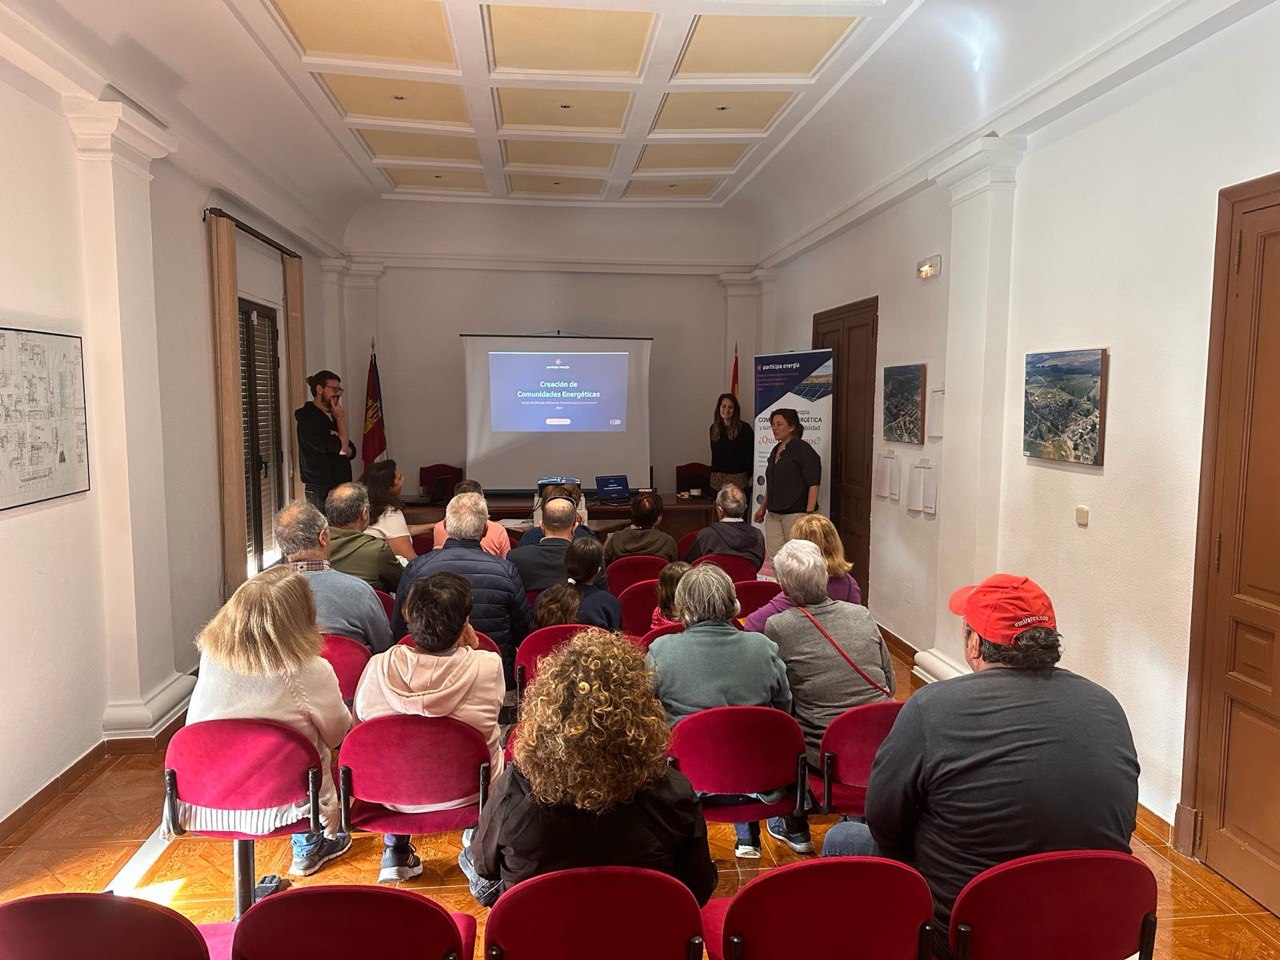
{"x": 791, "y": 480}
{"x": 732, "y": 452}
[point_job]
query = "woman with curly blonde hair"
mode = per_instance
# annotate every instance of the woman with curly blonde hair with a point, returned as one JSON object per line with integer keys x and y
{"x": 590, "y": 785}
{"x": 815, "y": 528}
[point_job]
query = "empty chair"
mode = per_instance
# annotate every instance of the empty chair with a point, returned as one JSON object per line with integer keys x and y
{"x": 739, "y": 569}
{"x": 638, "y": 601}
{"x": 891, "y": 899}
{"x": 348, "y": 658}
{"x": 684, "y": 543}
{"x": 753, "y": 594}
{"x": 848, "y": 749}
{"x": 437, "y": 481}
{"x": 647, "y": 640}
{"x": 536, "y": 646}
{"x": 693, "y": 476}
{"x": 625, "y": 571}
{"x": 96, "y": 926}
{"x": 623, "y": 913}
{"x": 388, "y": 602}
{"x": 1071, "y": 905}
{"x": 484, "y": 640}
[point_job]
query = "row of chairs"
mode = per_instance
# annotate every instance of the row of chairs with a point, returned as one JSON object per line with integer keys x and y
{"x": 1070, "y": 905}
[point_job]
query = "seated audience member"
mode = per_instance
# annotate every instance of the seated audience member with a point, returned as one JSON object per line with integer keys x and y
{"x": 353, "y": 552}
{"x": 714, "y": 664}
{"x": 642, "y": 538}
{"x": 664, "y": 614}
{"x": 345, "y": 604}
{"x": 541, "y": 564}
{"x": 815, "y": 528}
{"x": 573, "y": 493}
{"x": 580, "y": 600}
{"x": 384, "y": 482}
{"x": 823, "y": 683}
{"x": 500, "y": 608}
{"x": 590, "y": 785}
{"x": 731, "y": 534}
{"x": 495, "y": 539}
{"x": 442, "y": 675}
{"x": 1018, "y": 757}
{"x": 259, "y": 660}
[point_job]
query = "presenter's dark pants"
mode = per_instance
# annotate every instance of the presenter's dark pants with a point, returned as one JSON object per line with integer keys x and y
{"x": 316, "y": 495}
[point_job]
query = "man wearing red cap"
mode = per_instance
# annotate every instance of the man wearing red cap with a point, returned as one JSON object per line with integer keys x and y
{"x": 1018, "y": 757}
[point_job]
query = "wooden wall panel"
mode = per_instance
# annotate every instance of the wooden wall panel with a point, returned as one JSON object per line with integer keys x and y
{"x": 226, "y": 331}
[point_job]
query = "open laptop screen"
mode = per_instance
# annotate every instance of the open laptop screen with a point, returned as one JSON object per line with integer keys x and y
{"x": 612, "y": 488}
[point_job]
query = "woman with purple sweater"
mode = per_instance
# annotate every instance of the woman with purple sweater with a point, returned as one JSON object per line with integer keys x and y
{"x": 840, "y": 583}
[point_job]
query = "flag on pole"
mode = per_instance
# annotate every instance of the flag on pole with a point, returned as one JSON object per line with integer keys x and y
{"x": 375, "y": 433}
{"x": 733, "y": 386}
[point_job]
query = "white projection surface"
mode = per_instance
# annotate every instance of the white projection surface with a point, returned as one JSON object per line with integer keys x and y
{"x": 556, "y": 406}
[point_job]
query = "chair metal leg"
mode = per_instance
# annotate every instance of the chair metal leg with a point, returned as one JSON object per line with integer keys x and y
{"x": 736, "y": 948}
{"x": 695, "y": 948}
{"x": 924, "y": 945}
{"x": 243, "y": 853}
{"x": 962, "y": 941}
{"x": 802, "y": 786}
{"x": 828, "y": 763}
{"x": 1148, "y": 947}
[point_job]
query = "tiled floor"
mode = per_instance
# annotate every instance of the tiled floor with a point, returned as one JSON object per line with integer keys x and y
{"x": 88, "y": 833}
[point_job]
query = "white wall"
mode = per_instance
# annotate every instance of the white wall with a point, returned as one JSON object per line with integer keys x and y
{"x": 1113, "y": 247}
{"x": 53, "y": 685}
{"x": 878, "y": 259}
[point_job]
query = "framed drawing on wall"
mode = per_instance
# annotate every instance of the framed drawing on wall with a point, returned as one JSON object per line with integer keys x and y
{"x": 44, "y": 433}
{"x": 904, "y": 403}
{"x": 1065, "y": 405}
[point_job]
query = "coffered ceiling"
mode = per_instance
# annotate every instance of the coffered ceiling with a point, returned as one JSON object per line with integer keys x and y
{"x": 579, "y": 101}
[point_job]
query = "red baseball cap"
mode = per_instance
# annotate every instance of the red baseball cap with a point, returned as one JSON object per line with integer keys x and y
{"x": 1002, "y": 606}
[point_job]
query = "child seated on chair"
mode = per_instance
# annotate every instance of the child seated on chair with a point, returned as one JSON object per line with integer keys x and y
{"x": 664, "y": 614}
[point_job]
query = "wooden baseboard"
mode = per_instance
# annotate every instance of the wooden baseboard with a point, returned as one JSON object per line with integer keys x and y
{"x": 897, "y": 646}
{"x": 127, "y": 745}
{"x": 45, "y": 795}
{"x": 1155, "y": 824}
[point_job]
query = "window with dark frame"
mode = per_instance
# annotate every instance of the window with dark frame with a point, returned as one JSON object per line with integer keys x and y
{"x": 260, "y": 423}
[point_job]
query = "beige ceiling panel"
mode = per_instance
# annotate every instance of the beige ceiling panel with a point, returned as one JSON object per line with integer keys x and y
{"x": 691, "y": 156}
{"x": 684, "y": 187}
{"x": 760, "y": 46}
{"x": 560, "y": 153}
{"x": 586, "y": 109}
{"x": 398, "y": 99}
{"x": 720, "y": 111}
{"x": 562, "y": 39}
{"x": 402, "y": 30}
{"x": 443, "y": 179}
{"x": 420, "y": 146}
{"x": 571, "y": 186}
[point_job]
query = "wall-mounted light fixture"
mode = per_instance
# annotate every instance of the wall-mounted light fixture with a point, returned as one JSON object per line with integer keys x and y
{"x": 930, "y": 267}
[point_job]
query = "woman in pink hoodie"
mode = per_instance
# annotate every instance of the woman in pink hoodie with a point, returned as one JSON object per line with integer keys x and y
{"x": 443, "y": 674}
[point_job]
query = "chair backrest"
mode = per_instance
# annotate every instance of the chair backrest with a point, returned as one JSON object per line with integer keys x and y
{"x": 484, "y": 640}
{"x": 388, "y": 602}
{"x": 646, "y": 641}
{"x": 637, "y": 602}
{"x": 532, "y": 597}
{"x": 684, "y": 543}
{"x": 623, "y": 913}
{"x": 341, "y": 922}
{"x": 438, "y": 480}
{"x": 513, "y": 538}
{"x": 1071, "y": 905}
{"x": 240, "y": 764}
{"x": 754, "y": 594}
{"x": 736, "y": 750}
{"x": 892, "y": 897}
{"x": 693, "y": 476}
{"x": 424, "y": 543}
{"x": 541, "y": 642}
{"x": 853, "y": 738}
{"x": 625, "y": 571}
{"x": 446, "y": 755}
{"x": 348, "y": 658}
{"x": 96, "y": 926}
{"x": 738, "y": 568}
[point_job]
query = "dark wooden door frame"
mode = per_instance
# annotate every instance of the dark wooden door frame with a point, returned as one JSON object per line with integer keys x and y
{"x": 1233, "y": 203}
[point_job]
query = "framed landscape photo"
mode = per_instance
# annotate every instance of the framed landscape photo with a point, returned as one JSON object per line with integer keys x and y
{"x": 1064, "y": 406}
{"x": 904, "y": 404}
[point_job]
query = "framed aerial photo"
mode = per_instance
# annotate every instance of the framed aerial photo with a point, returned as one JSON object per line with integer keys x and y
{"x": 904, "y": 404}
{"x": 1064, "y": 406}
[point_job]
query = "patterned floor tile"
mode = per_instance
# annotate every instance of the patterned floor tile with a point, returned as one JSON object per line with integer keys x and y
{"x": 199, "y": 868}
{"x": 79, "y": 868}
{"x": 1213, "y": 938}
{"x": 92, "y": 816}
{"x": 1178, "y": 894}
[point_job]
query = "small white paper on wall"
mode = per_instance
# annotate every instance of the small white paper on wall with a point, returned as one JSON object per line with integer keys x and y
{"x": 887, "y": 481}
{"x": 933, "y": 412}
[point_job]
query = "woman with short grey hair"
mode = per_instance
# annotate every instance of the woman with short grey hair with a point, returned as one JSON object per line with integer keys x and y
{"x": 802, "y": 572}
{"x": 706, "y": 593}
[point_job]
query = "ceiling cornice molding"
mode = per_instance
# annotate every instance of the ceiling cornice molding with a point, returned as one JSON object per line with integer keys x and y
{"x": 989, "y": 163}
{"x": 475, "y": 261}
{"x": 45, "y": 60}
{"x": 116, "y": 132}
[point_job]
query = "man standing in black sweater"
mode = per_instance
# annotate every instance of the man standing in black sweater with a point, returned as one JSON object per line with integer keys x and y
{"x": 325, "y": 451}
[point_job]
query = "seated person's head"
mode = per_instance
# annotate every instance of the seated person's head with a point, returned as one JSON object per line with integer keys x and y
{"x": 592, "y": 732}
{"x": 582, "y": 563}
{"x": 668, "y": 580}
{"x": 573, "y": 491}
{"x": 802, "y": 572}
{"x": 731, "y": 502}
{"x": 302, "y": 532}
{"x": 383, "y": 482}
{"x": 559, "y": 517}
{"x": 267, "y": 628}
{"x": 467, "y": 486}
{"x": 466, "y": 516}
{"x": 347, "y": 506}
{"x": 646, "y": 510}
{"x": 1008, "y": 622}
{"x": 706, "y": 593}
{"x": 818, "y": 529}
{"x": 436, "y": 611}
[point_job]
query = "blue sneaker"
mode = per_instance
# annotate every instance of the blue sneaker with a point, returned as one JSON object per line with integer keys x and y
{"x": 328, "y": 849}
{"x": 798, "y": 840}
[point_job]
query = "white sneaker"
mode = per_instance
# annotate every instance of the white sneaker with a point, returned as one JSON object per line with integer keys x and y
{"x": 745, "y": 851}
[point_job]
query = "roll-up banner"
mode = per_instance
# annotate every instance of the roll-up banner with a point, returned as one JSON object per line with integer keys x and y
{"x": 803, "y": 381}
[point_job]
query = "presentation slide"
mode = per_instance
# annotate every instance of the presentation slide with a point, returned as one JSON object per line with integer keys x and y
{"x": 558, "y": 392}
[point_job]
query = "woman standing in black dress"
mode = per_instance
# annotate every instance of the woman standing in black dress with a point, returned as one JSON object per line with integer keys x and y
{"x": 732, "y": 452}
{"x": 791, "y": 480}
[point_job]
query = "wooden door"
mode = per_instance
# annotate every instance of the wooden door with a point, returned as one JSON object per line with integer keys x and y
{"x": 1239, "y": 777}
{"x": 850, "y": 333}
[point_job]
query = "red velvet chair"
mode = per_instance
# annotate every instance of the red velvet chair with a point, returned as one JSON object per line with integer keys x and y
{"x": 638, "y": 601}
{"x": 96, "y": 926}
{"x": 892, "y": 903}
{"x": 388, "y": 602}
{"x": 1071, "y": 905}
{"x": 536, "y": 646}
{"x": 684, "y": 543}
{"x": 739, "y": 569}
{"x": 646, "y": 641}
{"x": 348, "y": 658}
{"x": 532, "y": 597}
{"x": 437, "y": 481}
{"x": 848, "y": 749}
{"x": 242, "y": 765}
{"x": 450, "y": 762}
{"x": 754, "y": 594}
{"x": 424, "y": 543}
{"x": 352, "y": 922}
{"x": 625, "y": 571}
{"x": 623, "y": 913}
{"x": 742, "y": 750}
{"x": 693, "y": 476}
{"x": 513, "y": 538}
{"x": 485, "y": 642}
